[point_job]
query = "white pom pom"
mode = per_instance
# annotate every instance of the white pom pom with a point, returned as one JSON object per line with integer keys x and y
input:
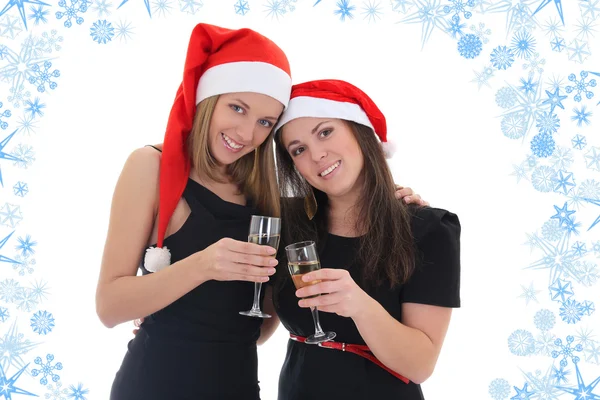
{"x": 157, "y": 258}
{"x": 388, "y": 148}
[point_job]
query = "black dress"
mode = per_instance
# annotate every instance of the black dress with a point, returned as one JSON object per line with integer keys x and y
{"x": 198, "y": 347}
{"x": 312, "y": 372}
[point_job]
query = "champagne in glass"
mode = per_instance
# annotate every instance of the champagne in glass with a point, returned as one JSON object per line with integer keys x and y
{"x": 263, "y": 231}
{"x": 302, "y": 259}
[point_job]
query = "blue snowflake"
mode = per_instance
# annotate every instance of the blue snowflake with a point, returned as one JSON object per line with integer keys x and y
{"x": 499, "y": 389}
{"x": 542, "y": 145}
{"x": 162, "y": 7}
{"x": 23, "y": 156}
{"x": 529, "y": 293}
{"x": 561, "y": 290}
{"x": 78, "y": 393}
{"x": 502, "y": 57}
{"x": 20, "y": 189}
{"x": 562, "y": 158}
{"x": 592, "y": 158}
{"x": 72, "y": 11}
{"x": 544, "y": 320}
{"x": 24, "y": 265}
{"x": 547, "y": 122}
{"x": 592, "y": 353}
{"x": 101, "y": 7}
{"x": 34, "y": 108}
{"x": 241, "y": 7}
{"x": 4, "y": 114}
{"x": 589, "y": 189}
{"x": 566, "y": 351}
{"x": 51, "y": 41}
{"x": 521, "y": 343}
{"x": 10, "y": 215}
{"x": 47, "y": 369}
{"x": 551, "y": 231}
{"x": 13, "y": 346}
{"x": 26, "y": 246}
{"x": 469, "y": 46}
{"x": 563, "y": 214}
{"x": 543, "y": 178}
{"x": 578, "y": 52}
{"x": 102, "y": 31}
{"x": 560, "y": 375}
{"x": 582, "y": 391}
{"x": 124, "y": 30}
{"x": 44, "y": 76}
{"x": 588, "y": 307}
{"x": 4, "y": 314}
{"x": 371, "y": 11}
{"x": 42, "y": 322}
{"x": 523, "y": 44}
{"x": 557, "y": 44}
{"x": 26, "y": 300}
{"x": 522, "y": 394}
{"x": 565, "y": 183}
{"x": 581, "y": 116}
{"x": 544, "y": 343}
{"x": 513, "y": 125}
{"x": 506, "y": 97}
{"x": 528, "y": 87}
{"x": 459, "y": 7}
{"x": 38, "y": 15}
{"x": 579, "y": 142}
{"x": 190, "y": 6}
{"x": 579, "y": 248}
{"x": 554, "y": 99}
{"x": 455, "y": 28}
{"x": 581, "y": 86}
{"x": 571, "y": 311}
{"x": 481, "y": 32}
{"x": 344, "y": 9}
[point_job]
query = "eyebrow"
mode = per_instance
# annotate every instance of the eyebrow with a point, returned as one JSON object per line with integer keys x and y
{"x": 314, "y": 130}
{"x": 248, "y": 107}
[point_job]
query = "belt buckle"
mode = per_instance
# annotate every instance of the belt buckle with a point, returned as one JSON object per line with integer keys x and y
{"x": 321, "y": 344}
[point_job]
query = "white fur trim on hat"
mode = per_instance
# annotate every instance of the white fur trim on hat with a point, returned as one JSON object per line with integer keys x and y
{"x": 389, "y": 149}
{"x": 157, "y": 258}
{"x": 306, "y": 106}
{"x": 245, "y": 76}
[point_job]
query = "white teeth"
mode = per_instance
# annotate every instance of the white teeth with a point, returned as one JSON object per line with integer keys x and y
{"x": 330, "y": 169}
{"x": 231, "y": 142}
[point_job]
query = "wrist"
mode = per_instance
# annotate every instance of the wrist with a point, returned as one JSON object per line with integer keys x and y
{"x": 193, "y": 267}
{"x": 368, "y": 307}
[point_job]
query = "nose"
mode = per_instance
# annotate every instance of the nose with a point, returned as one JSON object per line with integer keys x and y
{"x": 318, "y": 153}
{"x": 245, "y": 130}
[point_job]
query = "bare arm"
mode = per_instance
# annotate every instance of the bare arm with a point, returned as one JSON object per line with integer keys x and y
{"x": 410, "y": 348}
{"x": 121, "y": 295}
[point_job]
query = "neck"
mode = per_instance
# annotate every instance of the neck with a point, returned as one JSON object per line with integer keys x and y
{"x": 343, "y": 215}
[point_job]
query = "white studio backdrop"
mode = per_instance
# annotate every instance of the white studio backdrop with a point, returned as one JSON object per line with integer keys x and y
{"x": 493, "y": 105}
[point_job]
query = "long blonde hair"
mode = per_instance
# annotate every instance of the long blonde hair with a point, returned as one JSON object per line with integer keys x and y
{"x": 253, "y": 174}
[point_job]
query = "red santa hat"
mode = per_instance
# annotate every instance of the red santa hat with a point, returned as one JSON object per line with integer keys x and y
{"x": 218, "y": 61}
{"x": 330, "y": 98}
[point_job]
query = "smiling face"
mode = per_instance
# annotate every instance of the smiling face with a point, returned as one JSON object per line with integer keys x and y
{"x": 326, "y": 153}
{"x": 240, "y": 123}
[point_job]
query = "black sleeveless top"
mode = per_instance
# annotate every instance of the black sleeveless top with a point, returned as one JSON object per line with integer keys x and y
{"x": 198, "y": 347}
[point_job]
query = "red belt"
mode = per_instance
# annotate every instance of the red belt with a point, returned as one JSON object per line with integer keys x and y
{"x": 358, "y": 349}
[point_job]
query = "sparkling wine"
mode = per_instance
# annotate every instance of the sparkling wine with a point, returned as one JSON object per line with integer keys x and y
{"x": 299, "y": 269}
{"x": 265, "y": 239}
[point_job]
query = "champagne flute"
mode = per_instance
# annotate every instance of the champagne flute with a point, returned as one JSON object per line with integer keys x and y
{"x": 263, "y": 231}
{"x": 302, "y": 259}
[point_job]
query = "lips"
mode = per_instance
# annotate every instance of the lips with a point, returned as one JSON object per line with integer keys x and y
{"x": 231, "y": 144}
{"x": 330, "y": 169}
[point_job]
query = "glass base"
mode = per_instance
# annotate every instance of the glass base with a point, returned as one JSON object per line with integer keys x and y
{"x": 255, "y": 313}
{"x": 325, "y": 337}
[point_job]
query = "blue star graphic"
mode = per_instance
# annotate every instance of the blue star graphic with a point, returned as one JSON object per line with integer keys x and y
{"x": 146, "y": 2}
{"x": 3, "y": 258}
{"x": 318, "y": 1}
{"x": 582, "y": 392}
{"x": 522, "y": 393}
{"x": 21, "y": 6}
{"x": 557, "y": 3}
{"x": 7, "y": 386}
{"x": 7, "y": 156}
{"x": 562, "y": 214}
{"x": 554, "y": 99}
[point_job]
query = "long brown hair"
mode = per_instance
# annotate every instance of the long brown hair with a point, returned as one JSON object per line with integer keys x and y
{"x": 386, "y": 253}
{"x": 253, "y": 174}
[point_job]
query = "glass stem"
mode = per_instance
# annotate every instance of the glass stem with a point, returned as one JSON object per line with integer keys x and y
{"x": 315, "y": 315}
{"x": 257, "y": 289}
